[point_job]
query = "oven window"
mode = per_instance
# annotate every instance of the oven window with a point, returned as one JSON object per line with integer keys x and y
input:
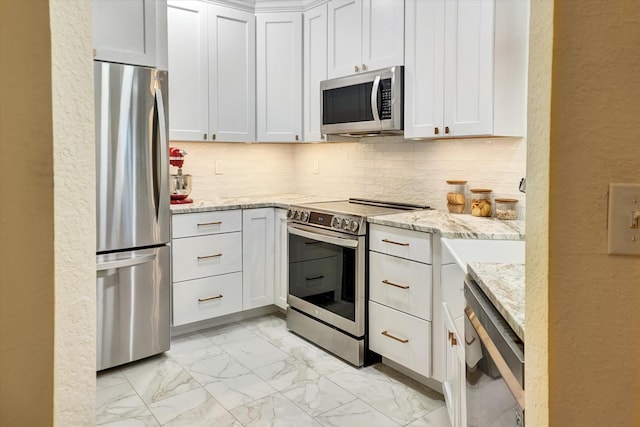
{"x": 323, "y": 274}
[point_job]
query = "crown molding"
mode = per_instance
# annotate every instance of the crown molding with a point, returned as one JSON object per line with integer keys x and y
{"x": 262, "y": 6}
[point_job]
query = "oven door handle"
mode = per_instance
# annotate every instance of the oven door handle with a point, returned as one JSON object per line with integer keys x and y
{"x": 498, "y": 360}
{"x": 339, "y": 241}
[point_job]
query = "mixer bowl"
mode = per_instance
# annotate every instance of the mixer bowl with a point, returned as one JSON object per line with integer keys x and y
{"x": 180, "y": 186}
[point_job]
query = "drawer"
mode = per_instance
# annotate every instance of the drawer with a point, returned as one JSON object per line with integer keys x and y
{"x": 408, "y": 244}
{"x": 196, "y": 257}
{"x": 401, "y": 284}
{"x": 400, "y": 337}
{"x": 206, "y": 298}
{"x": 201, "y": 223}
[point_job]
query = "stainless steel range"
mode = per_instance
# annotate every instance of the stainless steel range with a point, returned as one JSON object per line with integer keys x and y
{"x": 328, "y": 273}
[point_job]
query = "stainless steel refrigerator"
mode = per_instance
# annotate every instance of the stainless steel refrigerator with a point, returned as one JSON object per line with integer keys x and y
{"x": 132, "y": 197}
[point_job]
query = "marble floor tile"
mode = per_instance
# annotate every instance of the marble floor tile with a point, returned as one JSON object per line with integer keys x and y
{"x": 274, "y": 410}
{"x": 193, "y": 408}
{"x": 118, "y": 402}
{"x": 109, "y": 378}
{"x": 158, "y": 378}
{"x": 239, "y": 390}
{"x": 146, "y": 420}
{"x": 253, "y": 352}
{"x": 228, "y": 333}
{"x": 267, "y": 327}
{"x": 317, "y": 397}
{"x": 355, "y": 413}
{"x": 189, "y": 349}
{"x": 437, "y": 418}
{"x": 286, "y": 374}
{"x": 400, "y": 402}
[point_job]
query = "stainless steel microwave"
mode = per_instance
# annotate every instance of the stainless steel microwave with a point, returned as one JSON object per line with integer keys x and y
{"x": 365, "y": 103}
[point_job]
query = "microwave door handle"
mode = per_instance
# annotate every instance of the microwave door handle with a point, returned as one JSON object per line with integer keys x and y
{"x": 374, "y": 99}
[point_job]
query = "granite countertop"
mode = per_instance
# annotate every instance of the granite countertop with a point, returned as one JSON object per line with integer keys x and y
{"x": 454, "y": 226}
{"x": 245, "y": 202}
{"x": 503, "y": 284}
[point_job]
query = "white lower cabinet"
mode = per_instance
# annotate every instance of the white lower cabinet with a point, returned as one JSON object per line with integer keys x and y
{"x": 206, "y": 298}
{"x": 454, "y": 385}
{"x": 400, "y": 298}
{"x": 403, "y": 338}
{"x": 281, "y": 288}
{"x": 258, "y": 257}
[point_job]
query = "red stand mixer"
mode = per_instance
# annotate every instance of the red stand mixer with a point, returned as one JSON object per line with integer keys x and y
{"x": 180, "y": 184}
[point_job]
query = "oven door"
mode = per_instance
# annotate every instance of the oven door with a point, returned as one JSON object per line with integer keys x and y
{"x": 495, "y": 365}
{"x": 326, "y": 277}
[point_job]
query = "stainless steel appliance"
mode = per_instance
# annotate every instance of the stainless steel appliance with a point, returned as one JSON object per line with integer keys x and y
{"x": 495, "y": 385}
{"x": 132, "y": 197}
{"x": 328, "y": 273}
{"x": 364, "y": 103}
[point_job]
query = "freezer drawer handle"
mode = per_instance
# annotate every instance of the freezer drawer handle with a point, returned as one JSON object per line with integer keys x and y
{"x": 130, "y": 262}
{"x": 218, "y": 255}
{"x": 402, "y": 340}
{"x": 210, "y": 298}
{"x": 202, "y": 224}
{"x": 386, "y": 282}
{"x": 314, "y": 277}
{"x": 395, "y": 243}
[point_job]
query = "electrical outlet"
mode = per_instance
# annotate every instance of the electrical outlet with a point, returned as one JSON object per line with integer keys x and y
{"x": 624, "y": 219}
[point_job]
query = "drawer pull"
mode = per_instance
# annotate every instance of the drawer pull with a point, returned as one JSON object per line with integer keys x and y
{"x": 209, "y": 256}
{"x": 395, "y": 243}
{"x": 210, "y": 298}
{"x": 202, "y": 224}
{"x": 386, "y": 282}
{"x": 402, "y": 340}
{"x": 314, "y": 277}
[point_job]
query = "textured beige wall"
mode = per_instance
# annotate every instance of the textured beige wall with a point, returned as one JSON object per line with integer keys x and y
{"x": 26, "y": 216}
{"x": 537, "y": 244}
{"x": 594, "y": 321}
{"x": 47, "y": 219}
{"x": 74, "y": 212}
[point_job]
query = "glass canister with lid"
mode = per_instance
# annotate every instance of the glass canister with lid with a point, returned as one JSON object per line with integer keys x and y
{"x": 456, "y": 198}
{"x": 506, "y": 208}
{"x": 481, "y": 202}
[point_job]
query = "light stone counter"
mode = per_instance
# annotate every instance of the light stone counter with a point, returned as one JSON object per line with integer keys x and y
{"x": 503, "y": 284}
{"x": 246, "y": 202}
{"x": 454, "y": 226}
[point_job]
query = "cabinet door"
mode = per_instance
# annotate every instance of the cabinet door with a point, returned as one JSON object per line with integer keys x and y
{"x": 232, "y": 74}
{"x": 382, "y": 34}
{"x": 468, "y": 73}
{"x": 424, "y": 69}
{"x": 188, "y": 70}
{"x": 257, "y": 257}
{"x": 345, "y": 37}
{"x": 279, "y": 76}
{"x": 281, "y": 288}
{"x": 315, "y": 68}
{"x": 125, "y": 31}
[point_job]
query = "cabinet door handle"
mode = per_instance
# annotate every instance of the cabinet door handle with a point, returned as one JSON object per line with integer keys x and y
{"x": 452, "y": 338}
{"x": 446, "y": 129}
{"x": 202, "y": 224}
{"x": 402, "y": 340}
{"x": 210, "y": 298}
{"x": 436, "y": 131}
{"x": 204, "y": 136}
{"x": 364, "y": 67}
{"x": 314, "y": 277}
{"x": 356, "y": 69}
{"x": 386, "y": 282}
{"x": 395, "y": 243}
{"x": 209, "y": 256}
{"x": 213, "y": 136}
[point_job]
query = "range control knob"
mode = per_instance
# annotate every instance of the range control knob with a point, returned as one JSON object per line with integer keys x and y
{"x": 335, "y": 222}
{"x": 289, "y": 214}
{"x": 354, "y": 226}
{"x": 296, "y": 215}
{"x": 346, "y": 224}
{"x": 305, "y": 216}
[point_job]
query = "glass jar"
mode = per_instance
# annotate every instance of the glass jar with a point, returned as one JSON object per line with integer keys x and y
{"x": 481, "y": 202}
{"x": 506, "y": 209}
{"x": 456, "y": 199}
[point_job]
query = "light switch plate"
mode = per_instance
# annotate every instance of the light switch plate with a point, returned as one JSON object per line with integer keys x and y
{"x": 624, "y": 234}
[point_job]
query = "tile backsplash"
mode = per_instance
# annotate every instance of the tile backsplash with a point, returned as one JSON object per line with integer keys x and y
{"x": 387, "y": 168}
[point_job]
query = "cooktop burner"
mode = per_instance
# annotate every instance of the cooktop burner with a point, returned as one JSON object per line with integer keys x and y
{"x": 347, "y": 216}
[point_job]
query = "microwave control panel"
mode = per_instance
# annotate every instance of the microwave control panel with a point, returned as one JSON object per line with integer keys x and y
{"x": 385, "y": 94}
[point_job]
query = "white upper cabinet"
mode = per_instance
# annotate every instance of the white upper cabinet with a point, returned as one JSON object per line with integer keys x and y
{"x": 279, "y": 76}
{"x": 188, "y": 71}
{"x": 314, "y": 68}
{"x": 466, "y": 68}
{"x": 211, "y": 72}
{"x": 126, "y": 31}
{"x": 364, "y": 35}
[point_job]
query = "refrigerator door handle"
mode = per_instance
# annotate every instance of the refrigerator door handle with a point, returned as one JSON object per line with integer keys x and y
{"x": 129, "y": 262}
{"x": 161, "y": 147}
